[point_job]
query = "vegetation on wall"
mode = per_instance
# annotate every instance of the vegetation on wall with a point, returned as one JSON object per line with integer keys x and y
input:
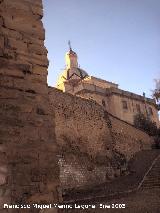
{"x": 156, "y": 92}
{"x": 145, "y": 124}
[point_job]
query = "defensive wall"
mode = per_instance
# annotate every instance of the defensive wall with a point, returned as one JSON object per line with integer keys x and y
{"x": 29, "y": 170}
{"x": 94, "y": 145}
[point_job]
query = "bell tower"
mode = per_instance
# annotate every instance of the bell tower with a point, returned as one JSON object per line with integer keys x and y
{"x": 72, "y": 74}
{"x": 71, "y": 58}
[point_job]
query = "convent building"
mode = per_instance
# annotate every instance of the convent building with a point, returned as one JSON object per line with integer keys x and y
{"x": 122, "y": 104}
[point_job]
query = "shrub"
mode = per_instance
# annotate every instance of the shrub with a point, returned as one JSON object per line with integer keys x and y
{"x": 146, "y": 125}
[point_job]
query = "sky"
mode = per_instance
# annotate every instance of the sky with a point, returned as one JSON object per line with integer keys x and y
{"x": 115, "y": 40}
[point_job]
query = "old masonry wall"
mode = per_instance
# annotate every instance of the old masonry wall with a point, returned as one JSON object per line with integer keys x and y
{"x": 28, "y": 165}
{"x": 94, "y": 146}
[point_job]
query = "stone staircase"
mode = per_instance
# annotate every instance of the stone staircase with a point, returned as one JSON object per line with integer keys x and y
{"x": 146, "y": 175}
{"x": 152, "y": 178}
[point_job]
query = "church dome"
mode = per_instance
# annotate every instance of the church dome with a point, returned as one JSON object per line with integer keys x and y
{"x": 72, "y": 73}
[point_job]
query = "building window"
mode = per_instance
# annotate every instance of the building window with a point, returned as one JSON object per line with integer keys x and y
{"x": 150, "y": 111}
{"x": 138, "y": 108}
{"x": 124, "y": 105}
{"x": 103, "y": 103}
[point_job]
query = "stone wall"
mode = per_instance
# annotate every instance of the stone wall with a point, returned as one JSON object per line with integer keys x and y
{"x": 28, "y": 165}
{"x": 81, "y": 135}
{"x": 94, "y": 146}
{"x": 74, "y": 117}
{"x": 127, "y": 139}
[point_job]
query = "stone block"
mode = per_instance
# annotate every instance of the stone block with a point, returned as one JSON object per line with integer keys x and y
{"x": 8, "y": 94}
{"x": 9, "y": 54}
{"x": 40, "y": 70}
{"x": 29, "y": 87}
{"x": 3, "y": 178}
{"x": 3, "y": 157}
{"x": 1, "y": 21}
{"x": 40, "y": 60}
{"x": 32, "y": 40}
{"x": 12, "y": 64}
{"x": 6, "y": 81}
{"x": 36, "y": 78}
{"x": 1, "y": 52}
{"x": 27, "y": 157}
{"x": 37, "y": 10}
{"x": 27, "y": 108}
{"x": 12, "y": 73}
{"x": 11, "y": 33}
{"x": 17, "y": 4}
{"x": 25, "y": 24}
{"x": 37, "y": 49}
{"x": 37, "y": 3}
{"x": 18, "y": 45}
{"x": 2, "y": 71}
{"x": 1, "y": 41}
{"x": 22, "y": 178}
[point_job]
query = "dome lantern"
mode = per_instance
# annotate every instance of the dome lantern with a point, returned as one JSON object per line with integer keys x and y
{"x": 71, "y": 58}
{"x": 72, "y": 74}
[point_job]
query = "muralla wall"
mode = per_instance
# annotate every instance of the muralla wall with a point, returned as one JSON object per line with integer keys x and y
{"x": 39, "y": 131}
{"x": 28, "y": 165}
{"x": 94, "y": 146}
{"x": 127, "y": 139}
{"x": 81, "y": 135}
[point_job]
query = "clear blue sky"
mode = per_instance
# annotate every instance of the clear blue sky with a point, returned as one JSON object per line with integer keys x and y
{"x": 116, "y": 40}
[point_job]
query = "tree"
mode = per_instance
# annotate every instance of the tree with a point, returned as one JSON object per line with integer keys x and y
{"x": 156, "y": 92}
{"x": 145, "y": 124}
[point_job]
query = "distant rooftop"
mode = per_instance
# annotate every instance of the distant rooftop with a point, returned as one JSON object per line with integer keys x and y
{"x": 103, "y": 81}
